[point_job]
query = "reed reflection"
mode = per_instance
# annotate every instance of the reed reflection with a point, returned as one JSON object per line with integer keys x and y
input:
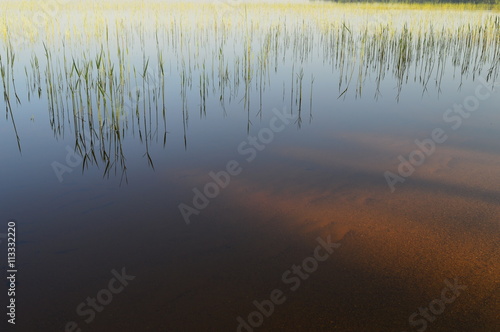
{"x": 118, "y": 77}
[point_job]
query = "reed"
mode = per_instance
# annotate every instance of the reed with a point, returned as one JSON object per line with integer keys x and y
{"x": 108, "y": 74}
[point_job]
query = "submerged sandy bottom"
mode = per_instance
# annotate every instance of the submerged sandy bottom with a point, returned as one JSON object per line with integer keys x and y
{"x": 322, "y": 178}
{"x": 396, "y": 249}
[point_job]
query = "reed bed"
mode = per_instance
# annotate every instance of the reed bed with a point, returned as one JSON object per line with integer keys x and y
{"x": 110, "y": 68}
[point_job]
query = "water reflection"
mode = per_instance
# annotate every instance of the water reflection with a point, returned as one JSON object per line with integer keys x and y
{"x": 181, "y": 89}
{"x": 109, "y": 88}
{"x": 122, "y": 80}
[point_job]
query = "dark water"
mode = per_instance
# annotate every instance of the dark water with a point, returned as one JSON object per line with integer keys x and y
{"x": 301, "y": 156}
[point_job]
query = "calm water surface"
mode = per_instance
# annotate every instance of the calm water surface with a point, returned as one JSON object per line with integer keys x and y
{"x": 119, "y": 125}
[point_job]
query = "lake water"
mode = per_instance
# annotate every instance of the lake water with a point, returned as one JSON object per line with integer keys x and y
{"x": 210, "y": 153}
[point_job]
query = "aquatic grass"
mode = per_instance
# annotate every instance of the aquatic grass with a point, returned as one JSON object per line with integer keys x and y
{"x": 8, "y": 107}
{"x": 109, "y": 73}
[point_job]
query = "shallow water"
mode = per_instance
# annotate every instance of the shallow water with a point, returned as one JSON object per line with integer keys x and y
{"x": 310, "y": 112}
